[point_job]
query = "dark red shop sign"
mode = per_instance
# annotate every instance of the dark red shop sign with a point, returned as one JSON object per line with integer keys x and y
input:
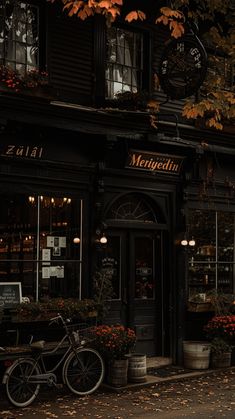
{"x": 154, "y": 162}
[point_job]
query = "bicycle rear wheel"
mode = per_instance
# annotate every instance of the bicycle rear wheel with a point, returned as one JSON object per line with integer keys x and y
{"x": 83, "y": 371}
{"x": 20, "y": 391}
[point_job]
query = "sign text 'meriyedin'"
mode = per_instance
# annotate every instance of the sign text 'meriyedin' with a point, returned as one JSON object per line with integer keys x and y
{"x": 154, "y": 162}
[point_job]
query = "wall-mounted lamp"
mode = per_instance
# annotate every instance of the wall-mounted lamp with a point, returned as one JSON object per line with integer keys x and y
{"x": 103, "y": 239}
{"x": 192, "y": 242}
{"x": 76, "y": 240}
{"x": 185, "y": 242}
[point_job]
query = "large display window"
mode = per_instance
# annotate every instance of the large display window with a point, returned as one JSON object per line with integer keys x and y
{"x": 41, "y": 244}
{"x": 212, "y": 258}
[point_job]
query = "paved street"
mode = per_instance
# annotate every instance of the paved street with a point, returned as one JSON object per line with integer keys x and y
{"x": 210, "y": 396}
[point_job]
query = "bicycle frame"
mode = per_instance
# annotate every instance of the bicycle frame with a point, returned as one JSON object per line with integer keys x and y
{"x": 39, "y": 357}
{"x": 82, "y": 367}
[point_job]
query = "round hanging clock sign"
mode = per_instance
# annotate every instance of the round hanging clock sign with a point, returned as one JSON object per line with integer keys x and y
{"x": 183, "y": 66}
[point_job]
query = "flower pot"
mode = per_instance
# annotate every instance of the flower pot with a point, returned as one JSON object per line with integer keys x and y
{"x": 196, "y": 355}
{"x": 117, "y": 372}
{"x": 199, "y": 307}
{"x": 221, "y": 360}
{"x": 137, "y": 368}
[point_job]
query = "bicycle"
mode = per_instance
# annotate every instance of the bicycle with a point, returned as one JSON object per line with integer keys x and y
{"x": 82, "y": 367}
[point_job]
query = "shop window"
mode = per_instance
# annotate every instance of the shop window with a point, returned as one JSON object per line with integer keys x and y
{"x": 212, "y": 259}
{"x": 19, "y": 35}
{"x": 124, "y": 66}
{"x": 40, "y": 245}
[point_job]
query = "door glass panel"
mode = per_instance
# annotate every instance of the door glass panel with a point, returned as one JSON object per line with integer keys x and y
{"x": 111, "y": 264}
{"x": 144, "y": 272}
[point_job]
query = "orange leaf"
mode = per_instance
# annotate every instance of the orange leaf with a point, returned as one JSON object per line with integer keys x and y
{"x": 171, "y": 13}
{"x": 106, "y": 4}
{"x": 114, "y": 12}
{"x": 85, "y": 12}
{"x": 119, "y": 2}
{"x": 131, "y": 16}
{"x": 141, "y": 15}
{"x": 162, "y": 19}
{"x": 177, "y": 29}
{"x": 135, "y": 15}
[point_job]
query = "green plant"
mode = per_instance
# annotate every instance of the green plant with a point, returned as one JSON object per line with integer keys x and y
{"x": 114, "y": 342}
{"x": 222, "y": 303}
{"x": 220, "y": 346}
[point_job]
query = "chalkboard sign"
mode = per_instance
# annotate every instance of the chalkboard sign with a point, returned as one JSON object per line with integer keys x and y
{"x": 10, "y": 294}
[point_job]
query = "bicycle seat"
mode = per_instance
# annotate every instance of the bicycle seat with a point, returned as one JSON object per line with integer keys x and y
{"x": 38, "y": 345}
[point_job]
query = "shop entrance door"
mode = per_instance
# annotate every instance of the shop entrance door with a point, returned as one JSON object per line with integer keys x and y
{"x": 135, "y": 260}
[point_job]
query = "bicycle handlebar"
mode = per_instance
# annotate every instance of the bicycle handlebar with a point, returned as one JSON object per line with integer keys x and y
{"x": 59, "y": 317}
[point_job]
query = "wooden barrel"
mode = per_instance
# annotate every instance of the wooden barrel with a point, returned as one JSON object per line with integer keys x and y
{"x": 221, "y": 360}
{"x": 137, "y": 368}
{"x": 196, "y": 355}
{"x": 117, "y": 374}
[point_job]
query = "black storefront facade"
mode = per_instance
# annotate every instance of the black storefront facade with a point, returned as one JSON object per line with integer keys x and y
{"x": 63, "y": 189}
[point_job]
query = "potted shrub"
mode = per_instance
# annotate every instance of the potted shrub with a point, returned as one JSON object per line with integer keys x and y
{"x": 114, "y": 343}
{"x": 220, "y": 353}
{"x": 222, "y": 328}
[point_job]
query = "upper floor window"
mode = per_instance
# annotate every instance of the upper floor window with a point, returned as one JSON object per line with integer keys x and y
{"x": 124, "y": 67}
{"x": 19, "y": 35}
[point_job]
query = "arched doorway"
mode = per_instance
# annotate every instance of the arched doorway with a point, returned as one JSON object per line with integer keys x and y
{"x": 134, "y": 255}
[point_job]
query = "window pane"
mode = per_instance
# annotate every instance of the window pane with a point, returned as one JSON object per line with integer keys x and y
{"x": 111, "y": 264}
{"x": 124, "y": 48}
{"x": 10, "y": 52}
{"x": 20, "y": 35}
{"x": 20, "y": 53}
{"x": 20, "y": 31}
{"x": 117, "y": 73}
{"x": 144, "y": 280}
{"x": 32, "y": 55}
{"x": 226, "y": 236}
{"x": 202, "y": 226}
{"x": 225, "y": 277}
{"x": 127, "y": 75}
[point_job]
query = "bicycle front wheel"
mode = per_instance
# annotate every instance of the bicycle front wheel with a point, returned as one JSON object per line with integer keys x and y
{"x": 83, "y": 371}
{"x": 20, "y": 391}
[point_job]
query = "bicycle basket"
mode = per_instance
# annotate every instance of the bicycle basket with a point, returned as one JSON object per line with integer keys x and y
{"x": 82, "y": 333}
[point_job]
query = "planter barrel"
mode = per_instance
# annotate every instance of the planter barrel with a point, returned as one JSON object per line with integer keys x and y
{"x": 196, "y": 355}
{"x": 137, "y": 368}
{"x": 117, "y": 373}
{"x": 221, "y": 360}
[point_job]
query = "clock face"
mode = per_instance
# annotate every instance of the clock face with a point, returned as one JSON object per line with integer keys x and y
{"x": 183, "y": 67}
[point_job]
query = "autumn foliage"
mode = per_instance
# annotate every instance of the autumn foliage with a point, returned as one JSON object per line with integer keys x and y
{"x": 215, "y": 101}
